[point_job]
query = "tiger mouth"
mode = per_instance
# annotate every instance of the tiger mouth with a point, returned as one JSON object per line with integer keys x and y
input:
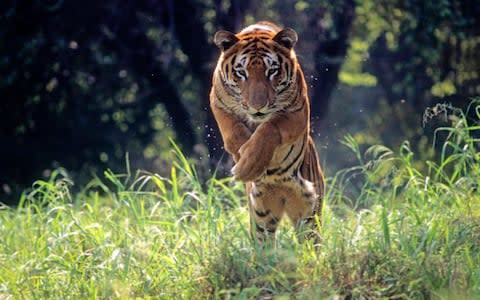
{"x": 259, "y": 115}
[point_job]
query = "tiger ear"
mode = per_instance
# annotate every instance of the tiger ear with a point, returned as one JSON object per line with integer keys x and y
{"x": 287, "y": 38}
{"x": 224, "y": 39}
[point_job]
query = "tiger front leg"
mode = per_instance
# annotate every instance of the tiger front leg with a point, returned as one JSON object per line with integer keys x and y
{"x": 256, "y": 153}
{"x": 235, "y": 141}
{"x": 234, "y": 132}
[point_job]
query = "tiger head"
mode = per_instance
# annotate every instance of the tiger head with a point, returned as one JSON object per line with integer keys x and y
{"x": 257, "y": 67}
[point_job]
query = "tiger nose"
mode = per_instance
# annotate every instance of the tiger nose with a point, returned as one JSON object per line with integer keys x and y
{"x": 257, "y": 105}
{"x": 253, "y": 107}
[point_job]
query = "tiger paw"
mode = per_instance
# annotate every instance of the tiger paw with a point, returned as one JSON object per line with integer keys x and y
{"x": 255, "y": 155}
{"x": 246, "y": 170}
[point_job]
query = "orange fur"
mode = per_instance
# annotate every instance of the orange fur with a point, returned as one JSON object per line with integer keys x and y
{"x": 259, "y": 100}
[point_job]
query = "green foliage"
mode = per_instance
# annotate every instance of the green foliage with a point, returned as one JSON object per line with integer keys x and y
{"x": 427, "y": 47}
{"x": 83, "y": 98}
{"x": 367, "y": 27}
{"x": 390, "y": 230}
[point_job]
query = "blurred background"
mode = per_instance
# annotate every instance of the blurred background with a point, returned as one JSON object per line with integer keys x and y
{"x": 82, "y": 83}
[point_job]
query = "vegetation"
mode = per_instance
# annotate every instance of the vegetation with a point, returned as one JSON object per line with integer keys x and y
{"x": 393, "y": 227}
{"x": 85, "y": 82}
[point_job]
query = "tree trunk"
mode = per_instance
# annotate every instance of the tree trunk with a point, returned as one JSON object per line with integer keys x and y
{"x": 194, "y": 42}
{"x": 329, "y": 56}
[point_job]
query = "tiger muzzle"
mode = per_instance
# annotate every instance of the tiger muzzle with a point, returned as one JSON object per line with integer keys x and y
{"x": 258, "y": 95}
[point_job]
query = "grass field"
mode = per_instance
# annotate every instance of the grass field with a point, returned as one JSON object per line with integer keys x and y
{"x": 393, "y": 228}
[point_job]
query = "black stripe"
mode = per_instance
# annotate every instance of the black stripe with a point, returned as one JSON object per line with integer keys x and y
{"x": 227, "y": 90}
{"x": 288, "y": 154}
{"x": 298, "y": 109}
{"x": 285, "y": 88}
{"x": 280, "y": 50}
{"x": 273, "y": 221}
{"x": 219, "y": 99}
{"x": 262, "y": 229}
{"x": 285, "y": 69}
{"x": 307, "y": 194}
{"x": 263, "y": 51}
{"x": 263, "y": 43}
{"x": 309, "y": 220}
{"x": 234, "y": 57}
{"x": 280, "y": 60}
{"x": 262, "y": 214}
{"x": 257, "y": 194}
{"x": 259, "y": 228}
{"x": 294, "y": 161}
{"x": 272, "y": 171}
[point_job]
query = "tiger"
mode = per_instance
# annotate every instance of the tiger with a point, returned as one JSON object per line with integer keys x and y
{"x": 260, "y": 103}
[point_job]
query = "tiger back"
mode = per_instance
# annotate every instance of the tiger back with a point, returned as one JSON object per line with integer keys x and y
{"x": 259, "y": 100}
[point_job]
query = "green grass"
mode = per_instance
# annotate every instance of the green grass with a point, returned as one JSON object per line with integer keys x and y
{"x": 393, "y": 228}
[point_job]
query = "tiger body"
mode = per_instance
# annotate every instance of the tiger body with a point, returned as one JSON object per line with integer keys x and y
{"x": 259, "y": 100}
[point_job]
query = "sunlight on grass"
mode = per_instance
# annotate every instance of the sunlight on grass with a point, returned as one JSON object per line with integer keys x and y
{"x": 389, "y": 231}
